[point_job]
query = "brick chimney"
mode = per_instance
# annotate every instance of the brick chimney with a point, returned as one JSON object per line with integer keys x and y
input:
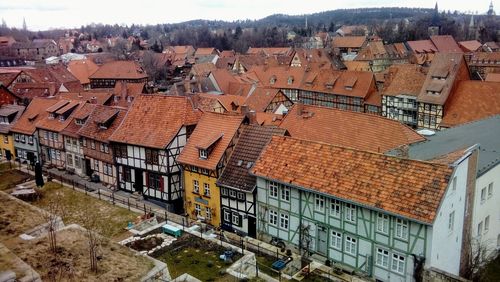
{"x": 252, "y": 117}
{"x": 300, "y": 108}
{"x": 123, "y": 93}
{"x": 244, "y": 110}
{"x": 93, "y": 100}
{"x": 52, "y": 89}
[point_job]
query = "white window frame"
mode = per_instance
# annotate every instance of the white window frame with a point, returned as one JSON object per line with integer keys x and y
{"x": 335, "y": 208}
{"x": 236, "y": 219}
{"x": 284, "y": 221}
{"x": 208, "y": 213}
{"x": 451, "y": 221}
{"x": 483, "y": 195}
{"x": 273, "y": 189}
{"x": 319, "y": 203}
{"x": 350, "y": 212}
{"x": 480, "y": 228}
{"x": 223, "y": 191}
{"x": 203, "y": 154}
{"x": 196, "y": 186}
{"x": 398, "y": 263}
{"x": 273, "y": 217}
{"x": 401, "y": 230}
{"x": 336, "y": 240}
{"x": 285, "y": 193}
{"x": 383, "y": 223}
{"x": 351, "y": 244}
{"x": 382, "y": 258}
{"x": 490, "y": 189}
{"x": 486, "y": 224}
{"x": 197, "y": 209}
{"x": 227, "y": 216}
{"x": 206, "y": 189}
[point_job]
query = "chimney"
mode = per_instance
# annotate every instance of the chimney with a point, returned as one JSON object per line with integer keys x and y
{"x": 93, "y": 100}
{"x": 244, "y": 110}
{"x": 123, "y": 89}
{"x": 52, "y": 89}
{"x": 195, "y": 99}
{"x": 252, "y": 117}
{"x": 300, "y": 108}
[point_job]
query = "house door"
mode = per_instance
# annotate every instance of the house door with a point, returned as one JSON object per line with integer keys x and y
{"x": 321, "y": 244}
{"x": 252, "y": 227}
{"x": 138, "y": 183}
{"x": 88, "y": 170}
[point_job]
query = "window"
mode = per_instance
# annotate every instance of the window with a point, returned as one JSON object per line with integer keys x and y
{"x": 284, "y": 221}
{"x": 401, "y": 228}
{"x": 382, "y": 258}
{"x": 197, "y": 209}
{"x": 203, "y": 154}
{"x": 236, "y": 219}
{"x": 350, "y": 245}
{"x": 84, "y": 142}
{"x": 350, "y": 212}
{"x": 487, "y": 224}
{"x": 69, "y": 159}
{"x": 121, "y": 151}
{"x": 223, "y": 191}
{"x": 232, "y": 193}
{"x": 154, "y": 181}
{"x": 454, "y": 184}
{"x": 92, "y": 144}
{"x": 96, "y": 165}
{"x": 16, "y": 137}
{"x": 78, "y": 164}
{"x": 490, "y": 189}
{"x": 336, "y": 208}
{"x": 23, "y": 138}
{"x": 68, "y": 141}
{"x": 320, "y": 203}
{"x": 151, "y": 156}
{"x": 227, "y": 216}
{"x": 30, "y": 139}
{"x": 208, "y": 213}
{"x": 196, "y": 186}
{"x": 336, "y": 240}
{"x": 46, "y": 135}
{"x": 480, "y": 228}
{"x": 206, "y": 188}
{"x": 273, "y": 217}
{"x": 451, "y": 221}
{"x": 108, "y": 169}
{"x": 127, "y": 174}
{"x": 285, "y": 193}
{"x": 58, "y": 155}
{"x": 273, "y": 189}
{"x": 241, "y": 196}
{"x": 398, "y": 263}
{"x": 106, "y": 148}
{"x": 483, "y": 194}
{"x": 383, "y": 223}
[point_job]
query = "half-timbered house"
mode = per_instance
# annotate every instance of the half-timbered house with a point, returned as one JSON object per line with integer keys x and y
{"x": 446, "y": 71}
{"x": 237, "y": 186}
{"x": 268, "y": 100}
{"x": 203, "y": 159}
{"x": 110, "y": 73}
{"x": 24, "y": 130}
{"x": 356, "y": 209}
{"x": 50, "y": 131}
{"x": 9, "y": 114}
{"x": 95, "y": 133}
{"x": 147, "y": 143}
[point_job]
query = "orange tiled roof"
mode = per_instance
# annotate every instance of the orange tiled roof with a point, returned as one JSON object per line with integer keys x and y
{"x": 261, "y": 97}
{"x": 348, "y": 41}
{"x": 409, "y": 188}
{"x": 164, "y": 117}
{"x": 82, "y": 69}
{"x": 404, "y": 80}
{"x": 81, "y": 113}
{"x": 357, "y": 65}
{"x": 494, "y": 77}
{"x": 346, "y": 128}
{"x": 101, "y": 97}
{"x": 119, "y": 70}
{"x": 470, "y": 46}
{"x": 268, "y": 119}
{"x": 422, "y": 46}
{"x": 472, "y": 100}
{"x": 446, "y": 44}
{"x": 213, "y": 129}
{"x": 55, "y": 124}
{"x": 92, "y": 130}
{"x": 36, "y": 111}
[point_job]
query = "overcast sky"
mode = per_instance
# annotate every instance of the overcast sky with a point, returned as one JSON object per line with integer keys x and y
{"x": 45, "y": 14}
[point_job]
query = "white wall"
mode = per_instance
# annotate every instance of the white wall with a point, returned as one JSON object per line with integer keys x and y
{"x": 447, "y": 244}
{"x": 487, "y": 207}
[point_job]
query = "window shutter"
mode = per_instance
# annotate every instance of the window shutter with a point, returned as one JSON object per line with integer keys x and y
{"x": 147, "y": 178}
{"x": 239, "y": 220}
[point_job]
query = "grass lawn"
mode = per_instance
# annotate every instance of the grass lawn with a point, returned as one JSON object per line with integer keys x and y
{"x": 10, "y": 177}
{"x": 197, "y": 257}
{"x": 113, "y": 219}
{"x": 6, "y": 166}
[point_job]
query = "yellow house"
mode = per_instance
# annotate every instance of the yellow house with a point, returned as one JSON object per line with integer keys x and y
{"x": 203, "y": 159}
{"x": 9, "y": 114}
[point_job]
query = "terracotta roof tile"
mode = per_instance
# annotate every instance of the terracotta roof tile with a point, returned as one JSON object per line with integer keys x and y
{"x": 92, "y": 130}
{"x": 268, "y": 119}
{"x": 408, "y": 188}
{"x": 101, "y": 97}
{"x": 82, "y": 69}
{"x": 422, "y": 46}
{"x": 472, "y": 100}
{"x": 348, "y": 41}
{"x": 119, "y": 70}
{"x": 346, "y": 128}
{"x": 81, "y": 113}
{"x": 56, "y": 125}
{"x": 493, "y": 77}
{"x": 252, "y": 141}
{"x": 211, "y": 126}
{"x": 446, "y": 44}
{"x": 164, "y": 116}
{"x": 12, "y": 111}
{"x": 404, "y": 80}
{"x": 36, "y": 111}
{"x": 261, "y": 97}
{"x": 470, "y": 46}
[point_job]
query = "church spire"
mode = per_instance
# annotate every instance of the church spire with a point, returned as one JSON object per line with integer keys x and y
{"x": 491, "y": 11}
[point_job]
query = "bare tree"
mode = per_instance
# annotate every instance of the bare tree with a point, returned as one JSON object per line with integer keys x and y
{"x": 478, "y": 256}
{"x": 55, "y": 210}
{"x": 90, "y": 219}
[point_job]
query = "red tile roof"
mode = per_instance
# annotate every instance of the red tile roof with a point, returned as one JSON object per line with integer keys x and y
{"x": 472, "y": 100}
{"x": 346, "y": 128}
{"x": 470, "y": 46}
{"x": 82, "y": 69}
{"x": 92, "y": 130}
{"x": 422, "y": 46}
{"x": 446, "y": 44}
{"x": 405, "y": 79}
{"x": 119, "y": 70}
{"x": 408, "y": 188}
{"x": 54, "y": 124}
{"x": 348, "y": 41}
{"x": 81, "y": 113}
{"x": 164, "y": 117}
{"x": 261, "y": 97}
{"x": 215, "y": 130}
{"x": 36, "y": 111}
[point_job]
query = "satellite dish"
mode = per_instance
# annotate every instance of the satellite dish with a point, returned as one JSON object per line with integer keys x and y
{"x": 426, "y": 132}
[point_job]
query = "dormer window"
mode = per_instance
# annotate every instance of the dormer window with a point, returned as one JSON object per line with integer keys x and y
{"x": 61, "y": 118}
{"x": 52, "y": 115}
{"x": 203, "y": 154}
{"x": 4, "y": 120}
{"x": 79, "y": 121}
{"x": 290, "y": 80}
{"x": 272, "y": 80}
